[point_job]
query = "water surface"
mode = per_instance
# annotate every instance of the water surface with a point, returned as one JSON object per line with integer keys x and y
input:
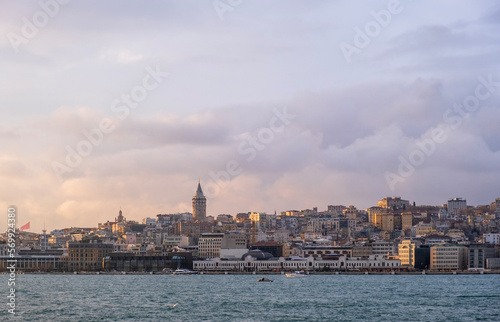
{"x": 242, "y": 298}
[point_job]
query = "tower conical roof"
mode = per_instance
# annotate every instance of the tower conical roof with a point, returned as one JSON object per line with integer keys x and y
{"x": 199, "y": 192}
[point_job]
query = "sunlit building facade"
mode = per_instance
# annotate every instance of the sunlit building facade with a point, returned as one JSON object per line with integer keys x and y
{"x": 407, "y": 252}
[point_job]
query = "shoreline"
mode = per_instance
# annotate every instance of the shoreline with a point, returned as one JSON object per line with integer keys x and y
{"x": 494, "y": 272}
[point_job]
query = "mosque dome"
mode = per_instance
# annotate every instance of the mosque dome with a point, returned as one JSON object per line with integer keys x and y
{"x": 257, "y": 254}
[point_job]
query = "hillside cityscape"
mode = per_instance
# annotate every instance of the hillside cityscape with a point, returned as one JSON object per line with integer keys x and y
{"x": 232, "y": 160}
{"x": 394, "y": 235}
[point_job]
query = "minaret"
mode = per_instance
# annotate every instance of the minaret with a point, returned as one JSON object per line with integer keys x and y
{"x": 199, "y": 205}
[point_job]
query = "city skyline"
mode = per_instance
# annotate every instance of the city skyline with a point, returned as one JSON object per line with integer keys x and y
{"x": 199, "y": 210}
{"x": 322, "y": 103}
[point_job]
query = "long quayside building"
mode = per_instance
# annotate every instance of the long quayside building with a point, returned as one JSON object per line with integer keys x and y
{"x": 257, "y": 262}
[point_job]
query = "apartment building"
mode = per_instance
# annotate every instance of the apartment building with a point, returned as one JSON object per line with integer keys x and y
{"x": 407, "y": 252}
{"x": 210, "y": 244}
{"x": 448, "y": 256}
{"x": 382, "y": 247}
{"x": 87, "y": 256}
{"x": 455, "y": 205}
{"x": 478, "y": 253}
{"x": 393, "y": 203}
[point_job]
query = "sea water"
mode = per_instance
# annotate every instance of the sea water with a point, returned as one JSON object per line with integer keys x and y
{"x": 242, "y": 298}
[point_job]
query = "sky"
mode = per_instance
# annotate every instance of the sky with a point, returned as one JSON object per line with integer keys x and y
{"x": 272, "y": 105}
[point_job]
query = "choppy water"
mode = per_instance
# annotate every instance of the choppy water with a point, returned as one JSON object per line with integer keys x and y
{"x": 241, "y": 298}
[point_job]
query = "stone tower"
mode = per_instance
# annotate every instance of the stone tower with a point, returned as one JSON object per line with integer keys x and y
{"x": 199, "y": 205}
{"x": 120, "y": 217}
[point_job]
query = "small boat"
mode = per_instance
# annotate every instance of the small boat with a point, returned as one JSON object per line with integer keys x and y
{"x": 183, "y": 271}
{"x": 296, "y": 274}
{"x": 172, "y": 306}
{"x": 264, "y": 279}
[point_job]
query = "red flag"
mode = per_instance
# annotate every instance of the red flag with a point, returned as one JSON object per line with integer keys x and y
{"x": 24, "y": 227}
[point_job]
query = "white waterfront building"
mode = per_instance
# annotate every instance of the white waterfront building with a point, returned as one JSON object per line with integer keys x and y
{"x": 249, "y": 263}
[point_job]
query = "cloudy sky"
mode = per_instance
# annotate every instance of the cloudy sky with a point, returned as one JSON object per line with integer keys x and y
{"x": 274, "y": 105}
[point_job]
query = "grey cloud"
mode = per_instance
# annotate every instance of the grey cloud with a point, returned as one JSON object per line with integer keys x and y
{"x": 344, "y": 116}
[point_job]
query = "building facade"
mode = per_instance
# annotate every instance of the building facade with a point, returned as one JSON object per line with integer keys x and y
{"x": 455, "y": 205}
{"x": 44, "y": 263}
{"x": 383, "y": 247}
{"x": 87, "y": 256}
{"x": 391, "y": 222}
{"x": 421, "y": 229}
{"x": 272, "y": 247}
{"x": 422, "y": 257}
{"x": 407, "y": 252}
{"x": 478, "y": 254}
{"x": 395, "y": 203}
{"x": 448, "y": 257}
{"x": 128, "y": 262}
{"x": 192, "y": 228}
{"x": 406, "y": 220}
{"x": 342, "y": 263}
{"x": 210, "y": 244}
{"x": 326, "y": 250}
{"x": 492, "y": 238}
